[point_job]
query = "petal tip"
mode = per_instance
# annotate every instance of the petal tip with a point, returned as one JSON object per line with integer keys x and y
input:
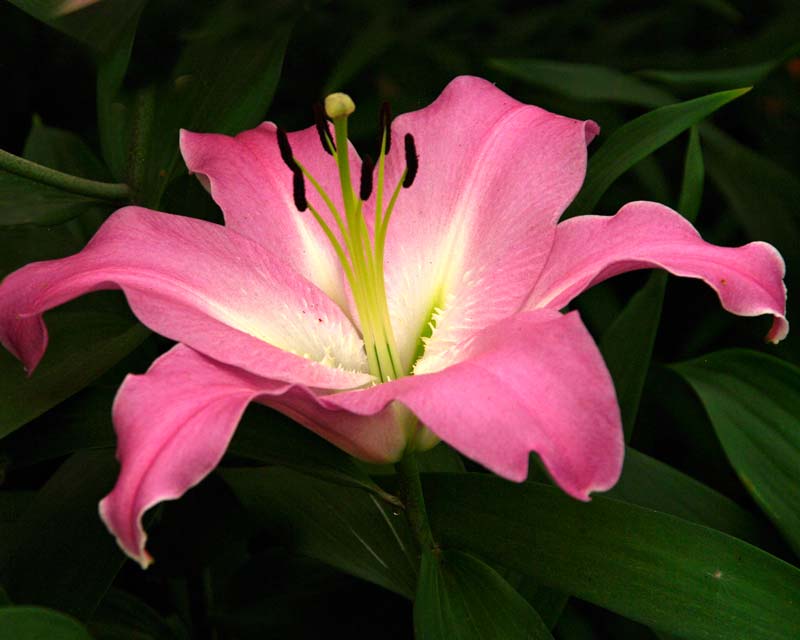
{"x": 184, "y": 136}
{"x": 138, "y": 555}
{"x": 590, "y": 130}
{"x": 778, "y": 331}
{"x": 584, "y": 494}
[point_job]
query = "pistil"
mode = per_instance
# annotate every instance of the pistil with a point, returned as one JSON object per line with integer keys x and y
{"x": 361, "y": 255}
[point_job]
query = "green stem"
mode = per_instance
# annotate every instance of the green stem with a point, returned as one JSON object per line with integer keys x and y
{"x": 141, "y": 126}
{"x": 411, "y": 495}
{"x": 64, "y": 181}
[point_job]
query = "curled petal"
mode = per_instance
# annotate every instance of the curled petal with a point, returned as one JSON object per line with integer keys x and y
{"x": 174, "y": 423}
{"x": 196, "y": 283}
{"x": 534, "y": 382}
{"x": 589, "y": 249}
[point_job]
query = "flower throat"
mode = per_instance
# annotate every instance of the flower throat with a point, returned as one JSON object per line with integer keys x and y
{"x": 360, "y": 255}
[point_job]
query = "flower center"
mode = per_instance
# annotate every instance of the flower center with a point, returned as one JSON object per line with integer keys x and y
{"x": 360, "y": 253}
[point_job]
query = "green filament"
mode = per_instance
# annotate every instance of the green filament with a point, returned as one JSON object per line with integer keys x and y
{"x": 361, "y": 256}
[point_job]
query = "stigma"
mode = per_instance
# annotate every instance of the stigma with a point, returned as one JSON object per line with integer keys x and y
{"x": 360, "y": 253}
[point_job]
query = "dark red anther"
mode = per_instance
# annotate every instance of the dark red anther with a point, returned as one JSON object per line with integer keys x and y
{"x": 385, "y": 126}
{"x": 412, "y": 161}
{"x": 325, "y": 137}
{"x": 286, "y": 151}
{"x": 365, "y": 189}
{"x": 299, "y": 191}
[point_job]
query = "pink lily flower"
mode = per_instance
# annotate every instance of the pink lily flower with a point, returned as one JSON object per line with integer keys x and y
{"x": 382, "y": 338}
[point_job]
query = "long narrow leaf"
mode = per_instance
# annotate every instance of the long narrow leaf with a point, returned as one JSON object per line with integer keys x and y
{"x": 654, "y": 568}
{"x": 638, "y": 139}
{"x": 753, "y": 400}
{"x": 461, "y": 598}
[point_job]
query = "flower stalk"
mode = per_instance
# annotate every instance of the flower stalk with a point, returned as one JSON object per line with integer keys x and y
{"x": 117, "y": 192}
{"x": 414, "y": 501}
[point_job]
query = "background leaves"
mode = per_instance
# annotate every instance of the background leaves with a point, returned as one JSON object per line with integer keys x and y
{"x": 753, "y": 401}
{"x": 676, "y": 576}
{"x": 462, "y": 598}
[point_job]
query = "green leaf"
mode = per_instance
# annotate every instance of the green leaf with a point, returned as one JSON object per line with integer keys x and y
{"x": 638, "y": 139}
{"x": 98, "y": 25}
{"x": 574, "y": 625}
{"x": 694, "y": 176}
{"x": 13, "y": 504}
{"x": 62, "y": 150}
{"x": 650, "y": 567}
{"x": 62, "y": 555}
{"x": 21, "y": 245}
{"x": 303, "y": 599}
{"x": 753, "y": 185}
{"x": 369, "y": 42}
{"x": 111, "y": 107}
{"x": 24, "y": 201}
{"x": 80, "y": 422}
{"x": 627, "y": 346}
{"x": 649, "y": 483}
{"x": 441, "y": 458}
{"x": 83, "y": 421}
{"x": 589, "y": 82}
{"x": 695, "y": 81}
{"x": 199, "y": 99}
{"x": 131, "y": 615}
{"x": 461, "y": 598}
{"x": 722, "y": 8}
{"x": 549, "y": 603}
{"x": 753, "y": 401}
{"x": 341, "y": 526}
{"x": 83, "y": 344}
{"x": 35, "y": 623}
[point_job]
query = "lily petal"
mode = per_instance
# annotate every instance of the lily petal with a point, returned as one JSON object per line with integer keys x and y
{"x": 174, "y": 424}
{"x": 589, "y": 249}
{"x": 472, "y": 233}
{"x": 197, "y": 283}
{"x": 534, "y": 382}
{"x": 253, "y": 186}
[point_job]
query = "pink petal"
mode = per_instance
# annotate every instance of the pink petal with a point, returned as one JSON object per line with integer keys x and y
{"x": 174, "y": 423}
{"x": 589, "y": 249}
{"x": 534, "y": 382}
{"x": 248, "y": 180}
{"x": 472, "y": 233}
{"x": 197, "y": 283}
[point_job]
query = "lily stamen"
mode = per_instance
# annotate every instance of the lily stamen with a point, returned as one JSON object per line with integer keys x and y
{"x": 385, "y": 128}
{"x": 362, "y": 253}
{"x": 362, "y": 261}
{"x": 365, "y": 188}
{"x": 299, "y": 191}
{"x": 412, "y": 161}
{"x": 323, "y": 132}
